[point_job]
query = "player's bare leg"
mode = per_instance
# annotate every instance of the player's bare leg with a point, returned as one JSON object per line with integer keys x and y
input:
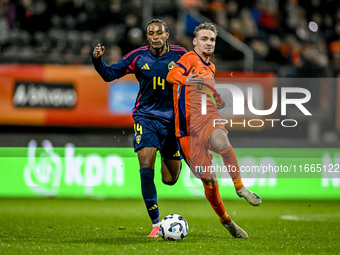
{"x": 146, "y": 158}
{"x": 170, "y": 170}
{"x": 220, "y": 141}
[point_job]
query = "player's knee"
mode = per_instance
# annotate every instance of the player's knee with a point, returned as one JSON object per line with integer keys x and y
{"x": 147, "y": 157}
{"x": 169, "y": 182}
{"x": 219, "y": 140}
{"x": 146, "y": 165}
{"x": 146, "y": 162}
{"x": 221, "y": 146}
{"x": 210, "y": 181}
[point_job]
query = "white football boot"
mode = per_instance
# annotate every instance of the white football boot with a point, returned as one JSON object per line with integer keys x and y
{"x": 235, "y": 230}
{"x": 251, "y": 197}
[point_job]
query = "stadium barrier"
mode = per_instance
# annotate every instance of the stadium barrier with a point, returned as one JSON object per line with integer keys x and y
{"x": 76, "y": 96}
{"x": 51, "y": 95}
{"x": 42, "y": 170}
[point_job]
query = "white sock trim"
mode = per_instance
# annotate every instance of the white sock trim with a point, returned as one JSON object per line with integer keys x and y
{"x": 156, "y": 225}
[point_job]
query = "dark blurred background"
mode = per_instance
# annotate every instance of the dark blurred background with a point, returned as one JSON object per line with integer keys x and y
{"x": 287, "y": 38}
{"x": 297, "y": 37}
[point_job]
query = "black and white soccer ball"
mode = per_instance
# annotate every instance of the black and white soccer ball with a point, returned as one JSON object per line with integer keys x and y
{"x": 173, "y": 227}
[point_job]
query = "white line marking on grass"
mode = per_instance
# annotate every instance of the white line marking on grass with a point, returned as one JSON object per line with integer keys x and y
{"x": 314, "y": 217}
{"x": 294, "y": 218}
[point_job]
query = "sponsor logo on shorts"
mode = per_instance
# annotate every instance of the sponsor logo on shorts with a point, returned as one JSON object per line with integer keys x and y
{"x": 177, "y": 154}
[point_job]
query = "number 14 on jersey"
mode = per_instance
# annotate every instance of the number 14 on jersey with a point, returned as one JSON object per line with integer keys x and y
{"x": 158, "y": 81}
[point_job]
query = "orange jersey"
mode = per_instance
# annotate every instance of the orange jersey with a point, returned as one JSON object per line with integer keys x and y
{"x": 189, "y": 119}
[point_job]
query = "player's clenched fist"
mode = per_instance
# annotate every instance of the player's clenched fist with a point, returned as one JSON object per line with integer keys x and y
{"x": 98, "y": 51}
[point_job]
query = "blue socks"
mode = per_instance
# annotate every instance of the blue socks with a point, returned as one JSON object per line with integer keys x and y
{"x": 149, "y": 193}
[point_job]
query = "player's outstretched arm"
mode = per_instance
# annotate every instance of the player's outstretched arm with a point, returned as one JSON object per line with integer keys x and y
{"x": 108, "y": 73}
{"x": 98, "y": 51}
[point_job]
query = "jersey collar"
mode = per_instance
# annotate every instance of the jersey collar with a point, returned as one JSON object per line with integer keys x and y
{"x": 205, "y": 63}
{"x": 168, "y": 46}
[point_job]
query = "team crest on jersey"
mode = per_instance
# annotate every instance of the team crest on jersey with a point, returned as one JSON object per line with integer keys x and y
{"x": 138, "y": 139}
{"x": 171, "y": 65}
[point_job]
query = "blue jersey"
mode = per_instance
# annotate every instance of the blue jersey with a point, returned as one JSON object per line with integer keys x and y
{"x": 155, "y": 96}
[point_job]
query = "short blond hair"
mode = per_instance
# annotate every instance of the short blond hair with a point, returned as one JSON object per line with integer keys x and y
{"x": 205, "y": 26}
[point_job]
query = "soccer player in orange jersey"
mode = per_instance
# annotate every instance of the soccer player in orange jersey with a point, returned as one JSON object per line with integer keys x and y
{"x": 193, "y": 76}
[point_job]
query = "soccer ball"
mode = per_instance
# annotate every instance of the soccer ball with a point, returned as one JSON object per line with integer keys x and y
{"x": 173, "y": 227}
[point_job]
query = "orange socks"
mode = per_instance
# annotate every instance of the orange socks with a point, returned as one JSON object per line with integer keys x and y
{"x": 230, "y": 161}
{"x": 238, "y": 184}
{"x": 214, "y": 198}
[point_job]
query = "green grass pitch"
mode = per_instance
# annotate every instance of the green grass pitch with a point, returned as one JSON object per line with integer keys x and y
{"x": 71, "y": 226}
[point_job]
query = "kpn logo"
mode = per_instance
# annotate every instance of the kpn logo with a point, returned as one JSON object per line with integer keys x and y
{"x": 49, "y": 170}
{"x": 43, "y": 172}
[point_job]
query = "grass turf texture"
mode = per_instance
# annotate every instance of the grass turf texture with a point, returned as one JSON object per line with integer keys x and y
{"x": 58, "y": 226}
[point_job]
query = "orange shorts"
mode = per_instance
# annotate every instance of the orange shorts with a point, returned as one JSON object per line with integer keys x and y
{"x": 196, "y": 148}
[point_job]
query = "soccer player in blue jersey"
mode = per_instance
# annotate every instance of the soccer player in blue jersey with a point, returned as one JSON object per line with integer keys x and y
{"x": 154, "y": 109}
